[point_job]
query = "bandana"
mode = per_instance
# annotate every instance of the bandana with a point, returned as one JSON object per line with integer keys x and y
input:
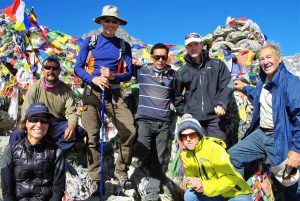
{"x": 49, "y": 87}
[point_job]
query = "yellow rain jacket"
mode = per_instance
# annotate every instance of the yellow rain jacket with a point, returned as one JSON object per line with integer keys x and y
{"x": 210, "y": 163}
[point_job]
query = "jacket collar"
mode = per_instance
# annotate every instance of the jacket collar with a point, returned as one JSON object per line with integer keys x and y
{"x": 204, "y": 58}
{"x": 276, "y": 78}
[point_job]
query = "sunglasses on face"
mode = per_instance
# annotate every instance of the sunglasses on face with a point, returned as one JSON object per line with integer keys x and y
{"x": 288, "y": 173}
{"x": 192, "y": 35}
{"x": 158, "y": 57}
{"x": 107, "y": 20}
{"x": 192, "y": 136}
{"x": 51, "y": 67}
{"x": 43, "y": 120}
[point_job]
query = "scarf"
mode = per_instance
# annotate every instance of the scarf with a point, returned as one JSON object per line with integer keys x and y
{"x": 49, "y": 87}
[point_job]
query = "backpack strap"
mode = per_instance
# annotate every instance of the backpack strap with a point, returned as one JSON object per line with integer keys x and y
{"x": 122, "y": 64}
{"x": 92, "y": 45}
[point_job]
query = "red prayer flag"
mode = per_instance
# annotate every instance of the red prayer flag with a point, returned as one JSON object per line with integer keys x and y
{"x": 10, "y": 11}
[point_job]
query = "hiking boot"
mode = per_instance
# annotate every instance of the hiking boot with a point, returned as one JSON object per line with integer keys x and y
{"x": 152, "y": 197}
{"x": 123, "y": 179}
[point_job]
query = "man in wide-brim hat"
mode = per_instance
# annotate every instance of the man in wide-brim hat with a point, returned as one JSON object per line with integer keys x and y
{"x": 109, "y": 64}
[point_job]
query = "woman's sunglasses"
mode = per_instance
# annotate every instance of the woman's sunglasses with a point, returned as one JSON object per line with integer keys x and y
{"x": 38, "y": 119}
{"x": 192, "y": 136}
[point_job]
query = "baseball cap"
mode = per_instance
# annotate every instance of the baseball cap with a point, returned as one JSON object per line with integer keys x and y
{"x": 192, "y": 37}
{"x": 286, "y": 176}
{"x": 37, "y": 108}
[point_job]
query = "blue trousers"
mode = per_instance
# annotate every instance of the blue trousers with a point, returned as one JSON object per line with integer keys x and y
{"x": 58, "y": 135}
{"x": 259, "y": 145}
{"x": 191, "y": 195}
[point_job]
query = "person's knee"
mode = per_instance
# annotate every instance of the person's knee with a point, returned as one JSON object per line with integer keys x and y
{"x": 233, "y": 157}
{"x": 141, "y": 151}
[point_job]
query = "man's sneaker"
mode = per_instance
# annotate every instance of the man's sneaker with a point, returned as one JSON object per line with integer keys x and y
{"x": 123, "y": 180}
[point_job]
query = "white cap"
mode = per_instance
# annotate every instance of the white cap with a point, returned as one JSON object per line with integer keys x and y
{"x": 192, "y": 37}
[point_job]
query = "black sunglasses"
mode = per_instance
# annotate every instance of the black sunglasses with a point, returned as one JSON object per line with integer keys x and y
{"x": 107, "y": 20}
{"x": 51, "y": 67}
{"x": 288, "y": 172}
{"x": 39, "y": 119}
{"x": 157, "y": 57}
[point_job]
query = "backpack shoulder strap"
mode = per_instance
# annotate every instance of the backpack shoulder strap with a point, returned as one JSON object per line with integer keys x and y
{"x": 93, "y": 42}
{"x": 122, "y": 64}
{"x": 92, "y": 45}
{"x": 123, "y": 47}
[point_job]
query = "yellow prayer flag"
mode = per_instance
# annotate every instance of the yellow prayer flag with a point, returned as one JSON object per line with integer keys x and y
{"x": 146, "y": 54}
{"x": 27, "y": 67}
{"x": 243, "y": 113}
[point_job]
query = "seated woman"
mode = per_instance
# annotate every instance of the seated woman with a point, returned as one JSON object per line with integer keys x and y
{"x": 208, "y": 173}
{"x": 33, "y": 167}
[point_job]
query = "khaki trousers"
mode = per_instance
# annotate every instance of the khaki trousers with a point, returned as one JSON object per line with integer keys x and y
{"x": 122, "y": 119}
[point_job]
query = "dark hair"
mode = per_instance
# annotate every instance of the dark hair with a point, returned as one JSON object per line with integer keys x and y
{"x": 22, "y": 127}
{"x": 159, "y": 46}
{"x": 51, "y": 59}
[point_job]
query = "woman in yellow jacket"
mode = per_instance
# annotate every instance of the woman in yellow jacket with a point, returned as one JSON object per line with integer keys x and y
{"x": 208, "y": 173}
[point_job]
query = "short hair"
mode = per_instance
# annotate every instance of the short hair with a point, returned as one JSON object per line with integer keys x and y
{"x": 273, "y": 45}
{"x": 51, "y": 59}
{"x": 159, "y": 46}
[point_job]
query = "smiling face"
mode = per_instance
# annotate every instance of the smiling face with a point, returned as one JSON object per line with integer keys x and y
{"x": 50, "y": 72}
{"x": 110, "y": 26}
{"x": 190, "y": 138}
{"x": 36, "y": 127}
{"x": 269, "y": 61}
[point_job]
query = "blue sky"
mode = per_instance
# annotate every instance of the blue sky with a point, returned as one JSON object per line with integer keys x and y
{"x": 168, "y": 21}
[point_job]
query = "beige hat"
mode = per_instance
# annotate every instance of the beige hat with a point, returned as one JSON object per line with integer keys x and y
{"x": 110, "y": 11}
{"x": 286, "y": 176}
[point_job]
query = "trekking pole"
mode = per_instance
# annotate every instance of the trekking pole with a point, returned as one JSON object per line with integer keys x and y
{"x": 102, "y": 140}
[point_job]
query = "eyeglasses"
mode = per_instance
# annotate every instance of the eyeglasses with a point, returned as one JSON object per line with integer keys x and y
{"x": 192, "y": 136}
{"x": 107, "y": 20}
{"x": 288, "y": 172}
{"x": 192, "y": 35}
{"x": 157, "y": 57}
{"x": 51, "y": 67}
{"x": 43, "y": 120}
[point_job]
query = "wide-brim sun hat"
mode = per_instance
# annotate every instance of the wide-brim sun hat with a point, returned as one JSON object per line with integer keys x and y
{"x": 110, "y": 11}
{"x": 286, "y": 176}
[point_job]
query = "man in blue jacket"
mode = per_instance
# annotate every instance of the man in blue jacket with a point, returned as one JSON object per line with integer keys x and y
{"x": 274, "y": 133}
